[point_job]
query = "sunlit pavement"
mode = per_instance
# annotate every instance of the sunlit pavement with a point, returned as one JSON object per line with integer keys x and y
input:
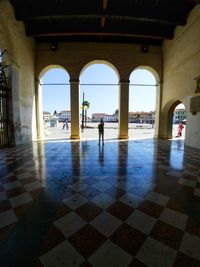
{"x": 110, "y": 132}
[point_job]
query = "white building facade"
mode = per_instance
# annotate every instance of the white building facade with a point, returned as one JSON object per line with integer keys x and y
{"x": 65, "y": 115}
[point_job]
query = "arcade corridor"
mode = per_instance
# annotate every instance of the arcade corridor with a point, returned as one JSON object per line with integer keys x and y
{"x": 129, "y": 203}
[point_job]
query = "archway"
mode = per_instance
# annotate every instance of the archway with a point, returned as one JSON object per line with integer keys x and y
{"x": 55, "y": 103}
{"x": 99, "y": 84}
{"x": 142, "y": 103}
{"x": 178, "y": 120}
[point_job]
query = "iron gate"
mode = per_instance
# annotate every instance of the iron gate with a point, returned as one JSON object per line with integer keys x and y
{"x": 4, "y": 100}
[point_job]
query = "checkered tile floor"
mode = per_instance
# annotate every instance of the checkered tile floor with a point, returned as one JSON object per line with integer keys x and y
{"x": 134, "y": 203}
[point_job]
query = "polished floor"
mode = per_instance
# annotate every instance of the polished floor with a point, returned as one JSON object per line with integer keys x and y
{"x": 128, "y": 203}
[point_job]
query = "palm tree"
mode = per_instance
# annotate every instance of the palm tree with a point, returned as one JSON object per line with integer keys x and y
{"x": 86, "y": 105}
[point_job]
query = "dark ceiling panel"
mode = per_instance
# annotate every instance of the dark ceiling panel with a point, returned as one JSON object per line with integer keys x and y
{"x": 126, "y": 21}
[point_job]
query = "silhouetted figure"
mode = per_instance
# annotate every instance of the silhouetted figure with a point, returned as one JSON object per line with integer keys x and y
{"x": 101, "y": 132}
{"x": 67, "y": 125}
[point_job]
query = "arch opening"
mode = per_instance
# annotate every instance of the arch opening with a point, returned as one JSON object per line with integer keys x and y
{"x": 99, "y": 84}
{"x": 54, "y": 103}
{"x": 142, "y": 103}
{"x": 178, "y": 120}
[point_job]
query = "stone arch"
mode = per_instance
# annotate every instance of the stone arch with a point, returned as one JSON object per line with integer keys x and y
{"x": 38, "y": 98}
{"x": 150, "y": 69}
{"x": 114, "y": 81}
{"x": 49, "y": 67}
{"x": 167, "y": 112}
{"x": 100, "y": 62}
{"x": 158, "y": 92}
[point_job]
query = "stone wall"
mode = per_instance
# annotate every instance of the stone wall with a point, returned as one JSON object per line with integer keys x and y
{"x": 74, "y": 57}
{"x": 181, "y": 65}
{"x": 21, "y": 60}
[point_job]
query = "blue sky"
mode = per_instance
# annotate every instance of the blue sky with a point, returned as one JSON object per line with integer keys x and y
{"x": 102, "y": 98}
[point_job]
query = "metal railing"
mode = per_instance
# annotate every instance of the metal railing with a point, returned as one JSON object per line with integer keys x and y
{"x": 4, "y": 100}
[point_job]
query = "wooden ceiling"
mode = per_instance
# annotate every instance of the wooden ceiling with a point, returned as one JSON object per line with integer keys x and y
{"x": 146, "y": 22}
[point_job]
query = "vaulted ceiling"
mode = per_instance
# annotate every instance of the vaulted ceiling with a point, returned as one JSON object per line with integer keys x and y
{"x": 123, "y": 21}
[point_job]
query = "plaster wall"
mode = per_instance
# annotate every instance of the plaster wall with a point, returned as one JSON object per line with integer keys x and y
{"x": 75, "y": 56}
{"x": 20, "y": 55}
{"x": 181, "y": 65}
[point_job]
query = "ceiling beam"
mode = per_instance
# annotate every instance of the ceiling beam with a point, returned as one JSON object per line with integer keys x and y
{"x": 168, "y": 14}
{"x": 117, "y": 34}
{"x": 111, "y": 17}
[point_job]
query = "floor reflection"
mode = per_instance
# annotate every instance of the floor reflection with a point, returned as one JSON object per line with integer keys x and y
{"x": 79, "y": 202}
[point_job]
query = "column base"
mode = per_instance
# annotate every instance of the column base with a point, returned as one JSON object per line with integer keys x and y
{"x": 123, "y": 136}
{"x": 75, "y": 137}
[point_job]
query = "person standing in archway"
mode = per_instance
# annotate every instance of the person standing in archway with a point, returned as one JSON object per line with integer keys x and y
{"x": 101, "y": 132}
{"x": 180, "y": 129}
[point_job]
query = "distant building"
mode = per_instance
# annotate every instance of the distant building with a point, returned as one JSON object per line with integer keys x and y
{"x": 46, "y": 116}
{"x": 110, "y": 118}
{"x": 142, "y": 117}
{"x": 179, "y": 115}
{"x": 96, "y": 117}
{"x": 65, "y": 115}
{"x": 137, "y": 117}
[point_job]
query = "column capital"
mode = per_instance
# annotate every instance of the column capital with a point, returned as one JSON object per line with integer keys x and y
{"x": 124, "y": 81}
{"x": 74, "y": 80}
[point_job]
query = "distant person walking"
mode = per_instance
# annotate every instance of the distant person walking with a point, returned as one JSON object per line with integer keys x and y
{"x": 67, "y": 125}
{"x": 101, "y": 132}
{"x": 180, "y": 129}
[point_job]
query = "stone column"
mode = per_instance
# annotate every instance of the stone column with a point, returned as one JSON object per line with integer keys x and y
{"x": 123, "y": 109}
{"x": 75, "y": 116}
{"x": 39, "y": 115}
{"x": 165, "y": 117}
{"x": 158, "y": 122}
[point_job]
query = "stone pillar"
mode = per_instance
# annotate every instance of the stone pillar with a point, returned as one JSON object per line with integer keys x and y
{"x": 39, "y": 115}
{"x": 123, "y": 109}
{"x": 165, "y": 117}
{"x": 157, "y": 132}
{"x": 75, "y": 116}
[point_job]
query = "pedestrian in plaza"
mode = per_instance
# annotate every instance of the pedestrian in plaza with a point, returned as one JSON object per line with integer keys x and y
{"x": 67, "y": 125}
{"x": 180, "y": 129}
{"x": 101, "y": 132}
